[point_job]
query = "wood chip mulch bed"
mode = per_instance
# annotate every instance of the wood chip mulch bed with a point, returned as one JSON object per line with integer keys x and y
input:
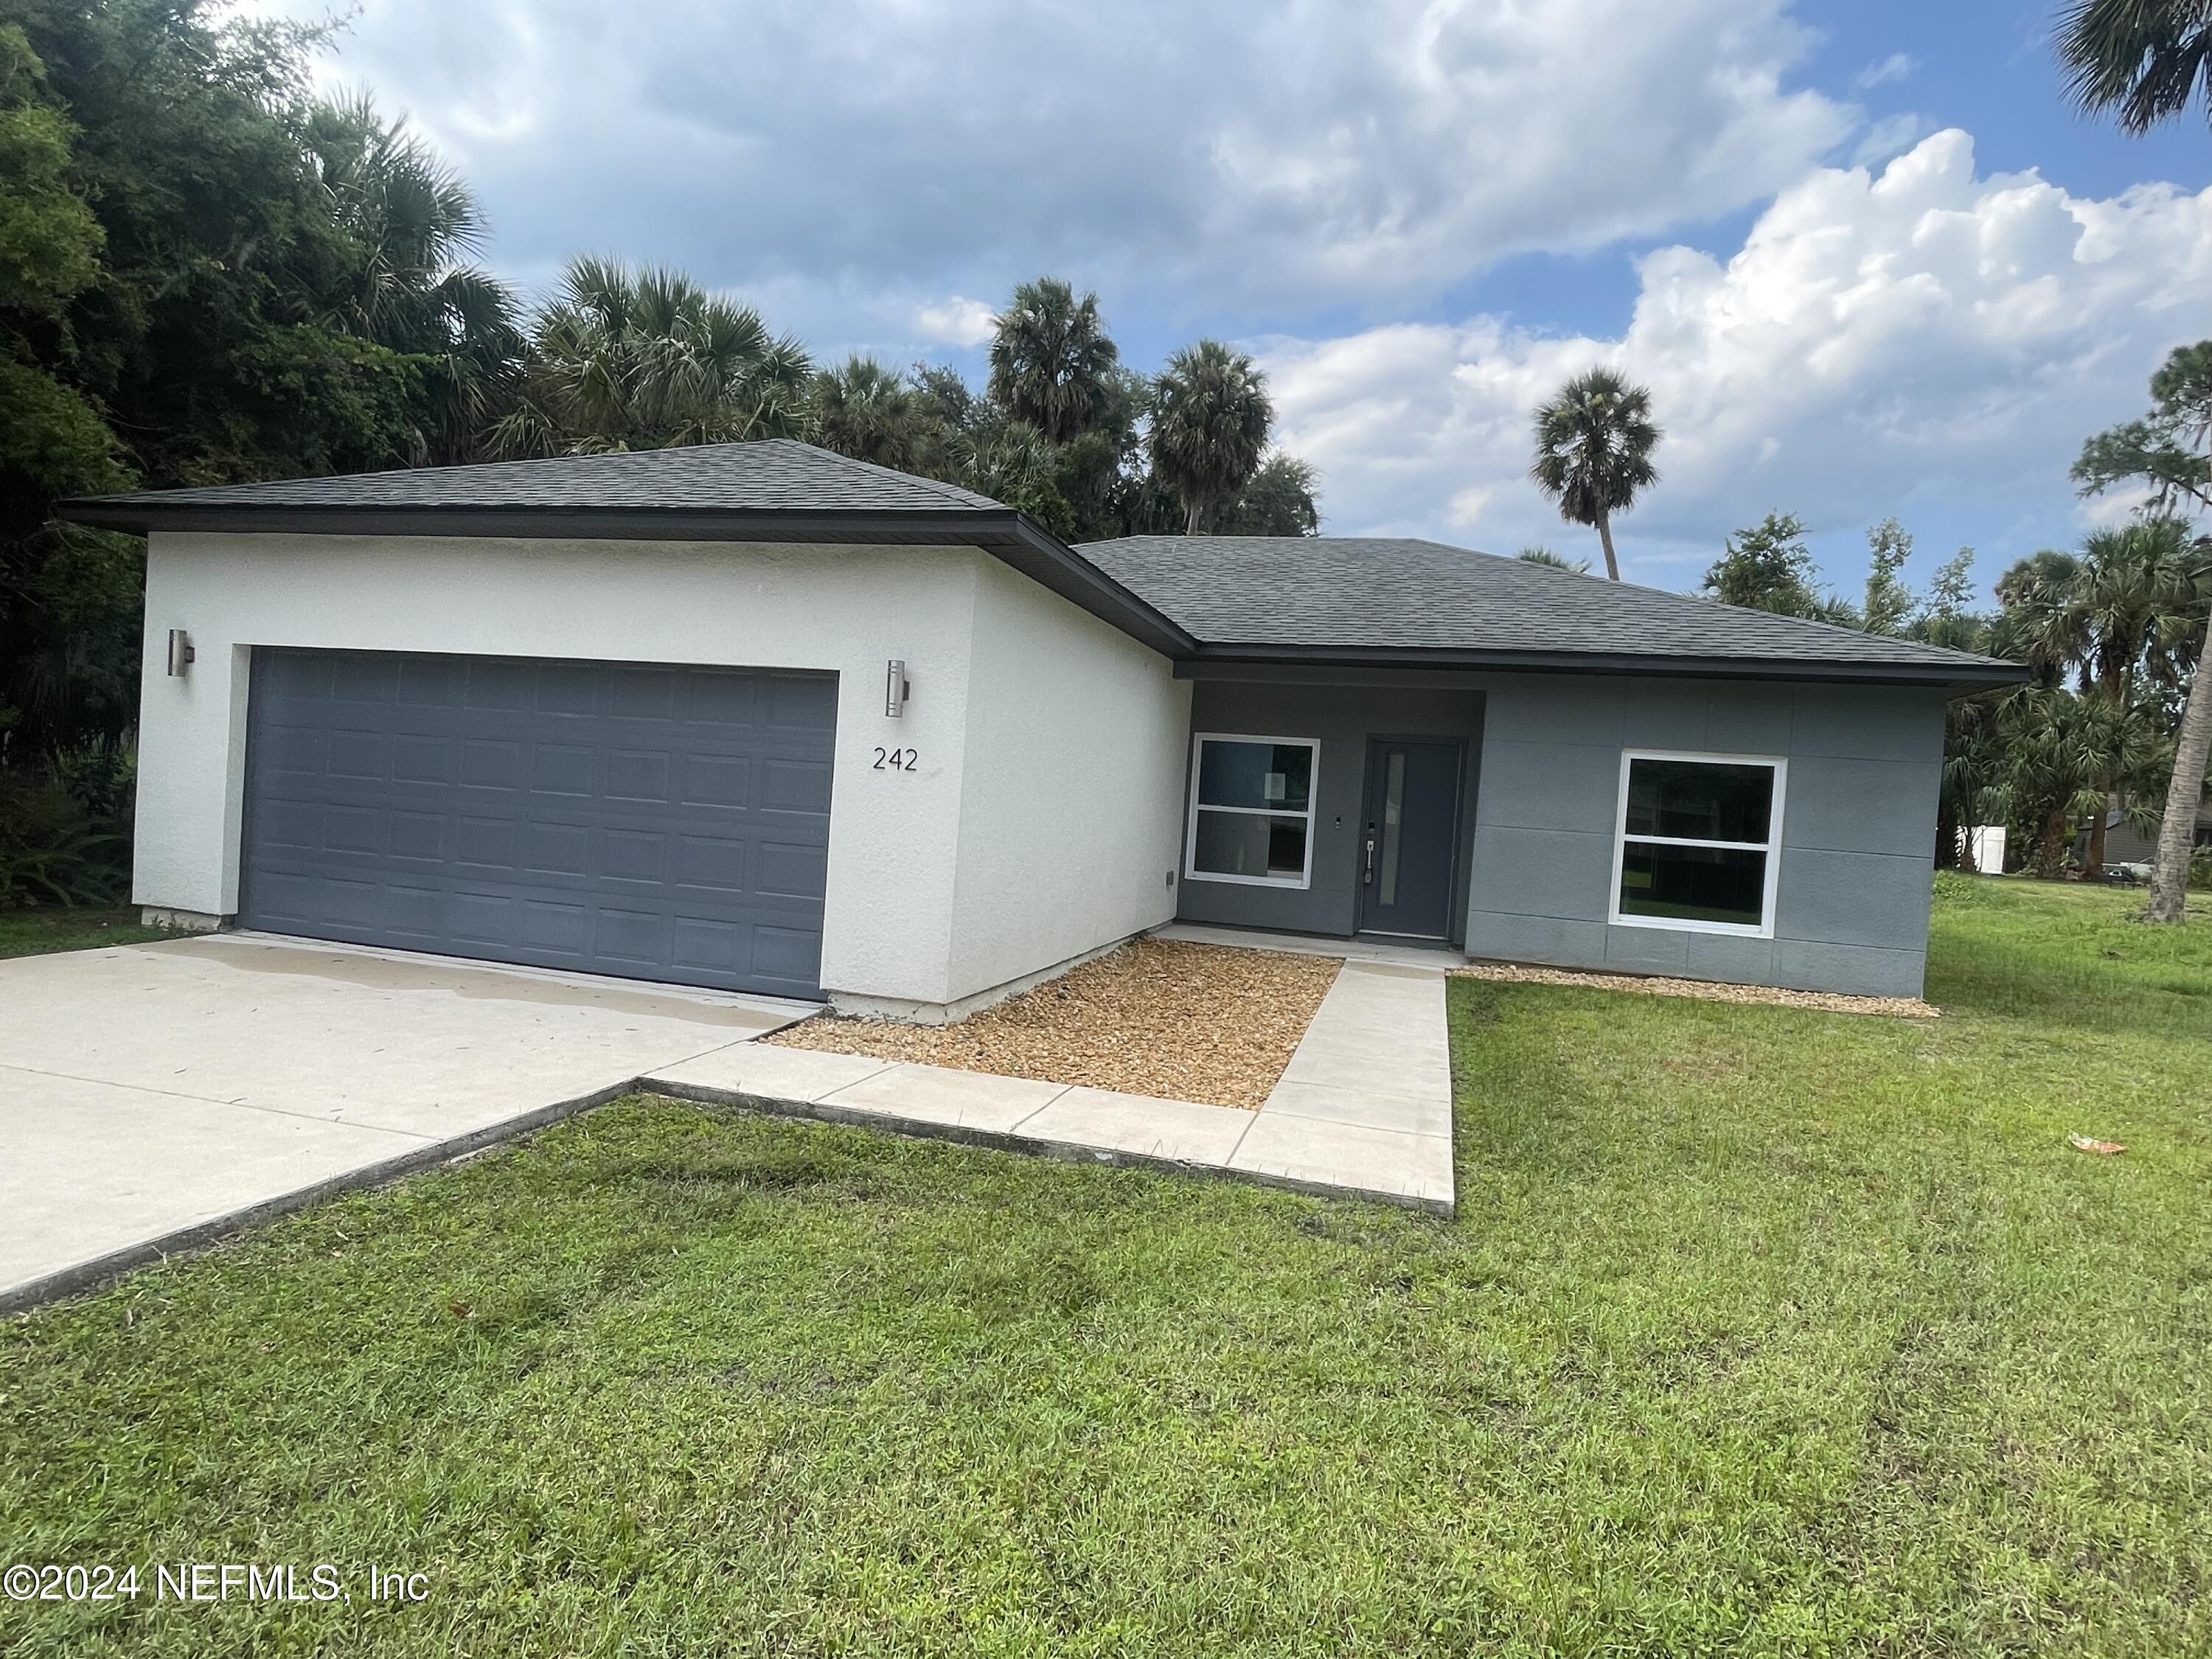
{"x": 1826, "y": 1002}
{"x": 1215, "y": 1024}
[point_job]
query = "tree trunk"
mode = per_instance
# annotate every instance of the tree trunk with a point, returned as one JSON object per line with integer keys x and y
{"x": 1946, "y": 836}
{"x": 1190, "y": 522}
{"x": 2177, "y": 830}
{"x": 2114, "y": 686}
{"x": 1605, "y": 538}
{"x": 2050, "y": 849}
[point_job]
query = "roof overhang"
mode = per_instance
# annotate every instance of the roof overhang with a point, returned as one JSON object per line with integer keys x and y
{"x": 1005, "y": 533}
{"x": 1969, "y": 674}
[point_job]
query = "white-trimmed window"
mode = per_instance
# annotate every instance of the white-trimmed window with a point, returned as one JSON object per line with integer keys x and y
{"x": 1697, "y": 842}
{"x": 1251, "y": 810}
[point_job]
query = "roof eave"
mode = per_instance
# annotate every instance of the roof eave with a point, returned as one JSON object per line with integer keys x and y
{"x": 1970, "y": 674}
{"x": 1003, "y": 532}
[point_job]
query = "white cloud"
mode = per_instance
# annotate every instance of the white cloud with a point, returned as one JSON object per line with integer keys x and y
{"x": 954, "y": 321}
{"x": 1879, "y": 341}
{"x": 1897, "y": 66}
{"x": 1307, "y": 152}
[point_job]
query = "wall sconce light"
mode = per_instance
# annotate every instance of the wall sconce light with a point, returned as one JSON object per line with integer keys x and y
{"x": 895, "y": 689}
{"x": 181, "y": 653}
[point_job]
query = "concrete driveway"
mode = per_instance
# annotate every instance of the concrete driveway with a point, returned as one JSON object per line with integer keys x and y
{"x": 151, "y": 1095}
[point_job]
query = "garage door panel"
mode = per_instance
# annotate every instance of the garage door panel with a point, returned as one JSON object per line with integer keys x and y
{"x": 796, "y": 705}
{"x": 794, "y": 786}
{"x": 792, "y": 871}
{"x": 638, "y": 775}
{"x": 786, "y": 953}
{"x": 715, "y": 781}
{"x": 721, "y": 700}
{"x": 620, "y": 818}
{"x": 561, "y": 768}
{"x": 501, "y": 684}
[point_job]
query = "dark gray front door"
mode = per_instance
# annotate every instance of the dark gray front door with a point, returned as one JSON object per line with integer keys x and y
{"x": 654, "y": 821}
{"x": 1407, "y": 835}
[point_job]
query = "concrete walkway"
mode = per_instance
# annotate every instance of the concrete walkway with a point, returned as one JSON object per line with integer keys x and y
{"x": 1363, "y": 1110}
{"x": 154, "y": 1098}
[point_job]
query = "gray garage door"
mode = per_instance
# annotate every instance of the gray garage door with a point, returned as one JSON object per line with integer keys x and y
{"x": 657, "y": 823}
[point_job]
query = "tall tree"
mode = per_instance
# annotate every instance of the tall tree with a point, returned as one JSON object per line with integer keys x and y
{"x": 868, "y": 411}
{"x": 1052, "y": 360}
{"x": 415, "y": 227}
{"x": 1593, "y": 441}
{"x": 1210, "y": 418}
{"x": 1767, "y": 567}
{"x": 172, "y": 302}
{"x": 2126, "y": 612}
{"x": 2143, "y": 61}
{"x": 2170, "y": 450}
{"x": 1889, "y": 601}
{"x": 644, "y": 358}
{"x": 1278, "y": 500}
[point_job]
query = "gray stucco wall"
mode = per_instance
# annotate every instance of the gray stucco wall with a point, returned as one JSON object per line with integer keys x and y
{"x": 1342, "y": 715}
{"x": 1858, "y": 826}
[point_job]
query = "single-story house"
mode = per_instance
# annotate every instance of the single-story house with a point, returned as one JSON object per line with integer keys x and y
{"x": 760, "y": 717}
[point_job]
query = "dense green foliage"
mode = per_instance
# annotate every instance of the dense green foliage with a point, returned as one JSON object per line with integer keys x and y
{"x": 2114, "y": 634}
{"x": 204, "y": 277}
{"x": 1760, "y": 1331}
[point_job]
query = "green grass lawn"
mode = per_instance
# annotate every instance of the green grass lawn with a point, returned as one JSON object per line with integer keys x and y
{"x": 1760, "y": 1331}
{"x": 34, "y": 933}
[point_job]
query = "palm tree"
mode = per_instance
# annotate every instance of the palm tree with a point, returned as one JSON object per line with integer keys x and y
{"x": 1012, "y": 462}
{"x": 1051, "y": 359}
{"x": 1209, "y": 427}
{"x": 645, "y": 358}
{"x": 867, "y": 411}
{"x": 1594, "y": 443}
{"x": 2144, "y": 62}
{"x": 411, "y": 225}
{"x": 2123, "y": 613}
{"x": 1544, "y": 556}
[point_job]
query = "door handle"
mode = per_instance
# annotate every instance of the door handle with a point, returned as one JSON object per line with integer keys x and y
{"x": 1369, "y": 876}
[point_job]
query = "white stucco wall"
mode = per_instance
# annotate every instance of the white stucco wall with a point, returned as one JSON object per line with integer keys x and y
{"x": 1071, "y": 818}
{"x": 926, "y": 890}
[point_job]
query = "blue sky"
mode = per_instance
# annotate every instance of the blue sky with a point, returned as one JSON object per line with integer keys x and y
{"x": 1867, "y": 259}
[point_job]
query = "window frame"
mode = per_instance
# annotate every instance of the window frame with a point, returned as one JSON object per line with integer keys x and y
{"x": 1779, "y": 765}
{"x": 1303, "y": 880}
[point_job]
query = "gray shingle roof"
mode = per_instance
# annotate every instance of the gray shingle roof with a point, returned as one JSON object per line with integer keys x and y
{"x": 771, "y": 474}
{"x": 1281, "y": 598}
{"x": 1378, "y": 593}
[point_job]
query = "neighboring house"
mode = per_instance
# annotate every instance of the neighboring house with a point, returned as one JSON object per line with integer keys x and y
{"x": 2125, "y": 844}
{"x": 757, "y": 716}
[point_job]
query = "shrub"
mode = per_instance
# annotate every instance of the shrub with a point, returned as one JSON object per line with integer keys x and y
{"x": 65, "y": 827}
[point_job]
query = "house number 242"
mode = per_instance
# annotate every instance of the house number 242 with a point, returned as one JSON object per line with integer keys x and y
{"x": 895, "y": 760}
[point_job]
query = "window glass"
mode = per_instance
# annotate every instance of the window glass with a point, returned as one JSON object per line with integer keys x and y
{"x": 1693, "y": 883}
{"x": 1275, "y": 776}
{"x": 1699, "y": 800}
{"x": 1253, "y": 844}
